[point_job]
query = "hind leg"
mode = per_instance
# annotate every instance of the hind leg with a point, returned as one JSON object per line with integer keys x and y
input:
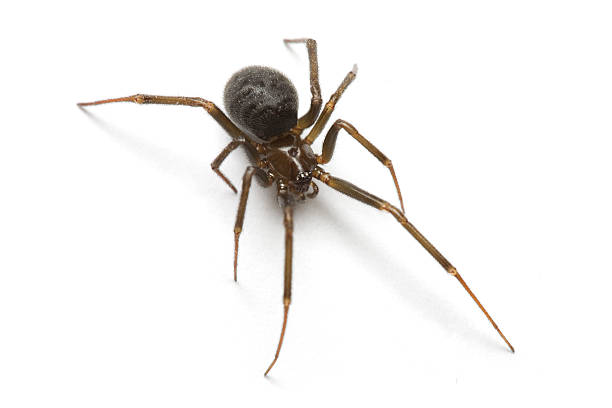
{"x": 315, "y": 104}
{"x": 208, "y": 106}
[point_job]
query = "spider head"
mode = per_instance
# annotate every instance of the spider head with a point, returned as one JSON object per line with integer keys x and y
{"x": 301, "y": 183}
{"x": 293, "y": 190}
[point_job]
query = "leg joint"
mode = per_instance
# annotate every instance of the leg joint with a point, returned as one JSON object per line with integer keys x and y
{"x": 332, "y": 102}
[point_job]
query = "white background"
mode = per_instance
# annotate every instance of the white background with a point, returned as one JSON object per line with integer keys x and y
{"x": 116, "y": 245}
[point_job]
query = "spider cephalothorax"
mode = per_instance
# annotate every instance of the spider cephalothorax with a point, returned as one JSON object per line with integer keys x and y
{"x": 263, "y": 105}
{"x": 290, "y": 161}
{"x": 302, "y": 181}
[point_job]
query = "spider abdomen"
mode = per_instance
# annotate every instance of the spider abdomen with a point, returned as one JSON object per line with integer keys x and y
{"x": 262, "y": 101}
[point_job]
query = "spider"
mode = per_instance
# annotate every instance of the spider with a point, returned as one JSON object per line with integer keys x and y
{"x": 263, "y": 104}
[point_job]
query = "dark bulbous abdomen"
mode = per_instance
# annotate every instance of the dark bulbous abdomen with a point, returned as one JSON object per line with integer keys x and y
{"x": 262, "y": 101}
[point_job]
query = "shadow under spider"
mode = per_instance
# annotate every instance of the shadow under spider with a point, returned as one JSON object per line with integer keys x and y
{"x": 172, "y": 163}
{"x": 391, "y": 269}
{"x": 395, "y": 272}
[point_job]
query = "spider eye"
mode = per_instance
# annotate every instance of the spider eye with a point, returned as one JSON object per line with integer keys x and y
{"x": 302, "y": 180}
{"x": 303, "y": 177}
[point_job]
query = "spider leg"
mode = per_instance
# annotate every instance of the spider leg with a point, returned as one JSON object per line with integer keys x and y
{"x": 329, "y": 145}
{"x": 208, "y": 106}
{"x": 329, "y": 107}
{"x": 244, "y": 195}
{"x": 219, "y": 159}
{"x": 288, "y": 221}
{"x": 315, "y": 104}
{"x": 367, "y": 198}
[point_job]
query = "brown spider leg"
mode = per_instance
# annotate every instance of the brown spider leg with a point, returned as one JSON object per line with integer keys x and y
{"x": 244, "y": 195}
{"x": 222, "y": 156}
{"x": 329, "y": 144}
{"x": 315, "y": 89}
{"x": 357, "y": 193}
{"x": 329, "y": 107}
{"x": 288, "y": 221}
{"x": 315, "y": 190}
{"x": 208, "y": 106}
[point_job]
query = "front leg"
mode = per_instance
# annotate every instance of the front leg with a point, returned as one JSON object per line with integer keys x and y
{"x": 208, "y": 106}
{"x": 288, "y": 221}
{"x": 329, "y": 145}
{"x": 365, "y": 197}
